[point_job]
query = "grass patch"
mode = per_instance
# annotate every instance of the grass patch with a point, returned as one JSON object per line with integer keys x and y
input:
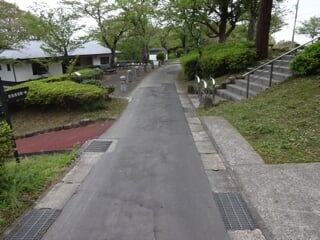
{"x": 282, "y": 124}
{"x": 31, "y": 120}
{"x": 26, "y": 181}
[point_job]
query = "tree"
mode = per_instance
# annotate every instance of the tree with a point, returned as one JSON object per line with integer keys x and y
{"x": 12, "y": 30}
{"x": 140, "y": 15}
{"x": 277, "y": 17}
{"x": 59, "y": 30}
{"x": 263, "y": 28}
{"x": 310, "y": 27}
{"x": 111, "y": 25}
{"x": 218, "y": 16}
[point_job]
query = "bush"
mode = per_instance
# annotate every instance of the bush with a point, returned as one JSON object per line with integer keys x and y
{"x": 87, "y": 74}
{"x": 6, "y": 141}
{"x": 63, "y": 94}
{"x": 161, "y": 56}
{"x": 219, "y": 59}
{"x": 307, "y": 62}
{"x": 190, "y": 65}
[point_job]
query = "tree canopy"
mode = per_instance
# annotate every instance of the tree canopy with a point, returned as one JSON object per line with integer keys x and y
{"x": 12, "y": 31}
{"x": 310, "y": 27}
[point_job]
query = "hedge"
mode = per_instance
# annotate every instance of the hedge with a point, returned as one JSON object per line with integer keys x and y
{"x": 63, "y": 94}
{"x": 307, "y": 62}
{"x": 219, "y": 59}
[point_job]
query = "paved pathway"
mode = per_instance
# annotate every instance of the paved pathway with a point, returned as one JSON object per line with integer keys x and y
{"x": 152, "y": 185}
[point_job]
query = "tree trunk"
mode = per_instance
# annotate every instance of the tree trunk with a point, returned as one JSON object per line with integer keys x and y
{"x": 252, "y": 27}
{"x": 223, "y": 25}
{"x": 65, "y": 61}
{"x": 263, "y": 29}
{"x": 113, "y": 56}
{"x": 253, "y": 17}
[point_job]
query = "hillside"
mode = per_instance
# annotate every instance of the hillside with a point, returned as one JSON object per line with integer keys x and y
{"x": 282, "y": 124}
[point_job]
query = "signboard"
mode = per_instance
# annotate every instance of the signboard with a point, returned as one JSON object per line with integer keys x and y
{"x": 16, "y": 94}
{"x": 6, "y": 96}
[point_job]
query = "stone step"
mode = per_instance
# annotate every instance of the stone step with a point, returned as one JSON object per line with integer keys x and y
{"x": 278, "y": 68}
{"x": 256, "y": 87}
{"x": 224, "y": 93}
{"x": 263, "y": 80}
{"x": 288, "y": 57}
{"x": 241, "y": 91}
{"x": 275, "y": 75}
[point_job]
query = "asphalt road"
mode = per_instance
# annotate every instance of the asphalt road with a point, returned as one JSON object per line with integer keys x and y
{"x": 153, "y": 185}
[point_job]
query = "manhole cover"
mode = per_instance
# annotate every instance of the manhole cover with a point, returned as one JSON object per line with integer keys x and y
{"x": 34, "y": 225}
{"x": 234, "y": 211}
{"x": 98, "y": 146}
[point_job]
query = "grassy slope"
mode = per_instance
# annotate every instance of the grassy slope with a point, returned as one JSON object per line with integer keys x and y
{"x": 282, "y": 124}
{"x": 26, "y": 181}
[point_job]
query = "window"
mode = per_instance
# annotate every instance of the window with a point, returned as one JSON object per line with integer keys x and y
{"x": 39, "y": 69}
{"x": 104, "y": 60}
{"x": 8, "y": 67}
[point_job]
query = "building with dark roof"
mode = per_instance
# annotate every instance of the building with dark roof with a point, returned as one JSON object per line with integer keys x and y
{"x": 30, "y": 62}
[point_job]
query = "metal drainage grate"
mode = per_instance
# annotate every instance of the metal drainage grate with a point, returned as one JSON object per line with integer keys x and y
{"x": 234, "y": 211}
{"x": 34, "y": 225}
{"x": 98, "y": 146}
{"x": 188, "y": 109}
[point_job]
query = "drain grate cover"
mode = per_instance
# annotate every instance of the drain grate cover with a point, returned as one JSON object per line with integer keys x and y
{"x": 98, "y": 146}
{"x": 188, "y": 109}
{"x": 234, "y": 211}
{"x": 34, "y": 225}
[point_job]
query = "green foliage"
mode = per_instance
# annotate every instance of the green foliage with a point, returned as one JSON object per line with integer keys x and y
{"x": 24, "y": 183}
{"x": 282, "y": 127}
{"x": 87, "y": 74}
{"x": 190, "y": 65}
{"x": 307, "y": 62}
{"x": 63, "y": 94}
{"x": 161, "y": 56}
{"x": 110, "y": 88}
{"x": 179, "y": 52}
{"x": 219, "y": 59}
{"x": 310, "y": 27}
{"x": 6, "y": 141}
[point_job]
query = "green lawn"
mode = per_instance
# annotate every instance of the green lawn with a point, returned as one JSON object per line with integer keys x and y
{"x": 22, "y": 183}
{"x": 282, "y": 124}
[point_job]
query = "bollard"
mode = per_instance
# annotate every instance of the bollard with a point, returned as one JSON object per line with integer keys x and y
{"x": 123, "y": 84}
{"x": 129, "y": 76}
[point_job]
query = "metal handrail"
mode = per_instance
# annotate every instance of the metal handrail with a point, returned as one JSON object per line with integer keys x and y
{"x": 281, "y": 56}
{"x": 271, "y": 62}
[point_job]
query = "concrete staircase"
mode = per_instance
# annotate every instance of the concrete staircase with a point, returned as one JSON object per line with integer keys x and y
{"x": 259, "y": 79}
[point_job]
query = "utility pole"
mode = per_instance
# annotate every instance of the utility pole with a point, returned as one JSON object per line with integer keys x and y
{"x": 294, "y": 24}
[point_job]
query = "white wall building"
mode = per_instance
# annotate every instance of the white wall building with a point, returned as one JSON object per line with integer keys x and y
{"x": 22, "y": 64}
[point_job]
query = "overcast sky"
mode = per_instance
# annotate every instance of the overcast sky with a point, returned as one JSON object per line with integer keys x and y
{"x": 306, "y": 10}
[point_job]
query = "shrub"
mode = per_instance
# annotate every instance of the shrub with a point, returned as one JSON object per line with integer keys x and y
{"x": 63, "y": 94}
{"x": 307, "y": 62}
{"x": 110, "y": 88}
{"x": 87, "y": 74}
{"x": 219, "y": 59}
{"x": 190, "y": 65}
{"x": 161, "y": 56}
{"x": 6, "y": 141}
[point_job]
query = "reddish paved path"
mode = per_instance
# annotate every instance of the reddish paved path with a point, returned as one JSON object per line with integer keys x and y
{"x": 61, "y": 140}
